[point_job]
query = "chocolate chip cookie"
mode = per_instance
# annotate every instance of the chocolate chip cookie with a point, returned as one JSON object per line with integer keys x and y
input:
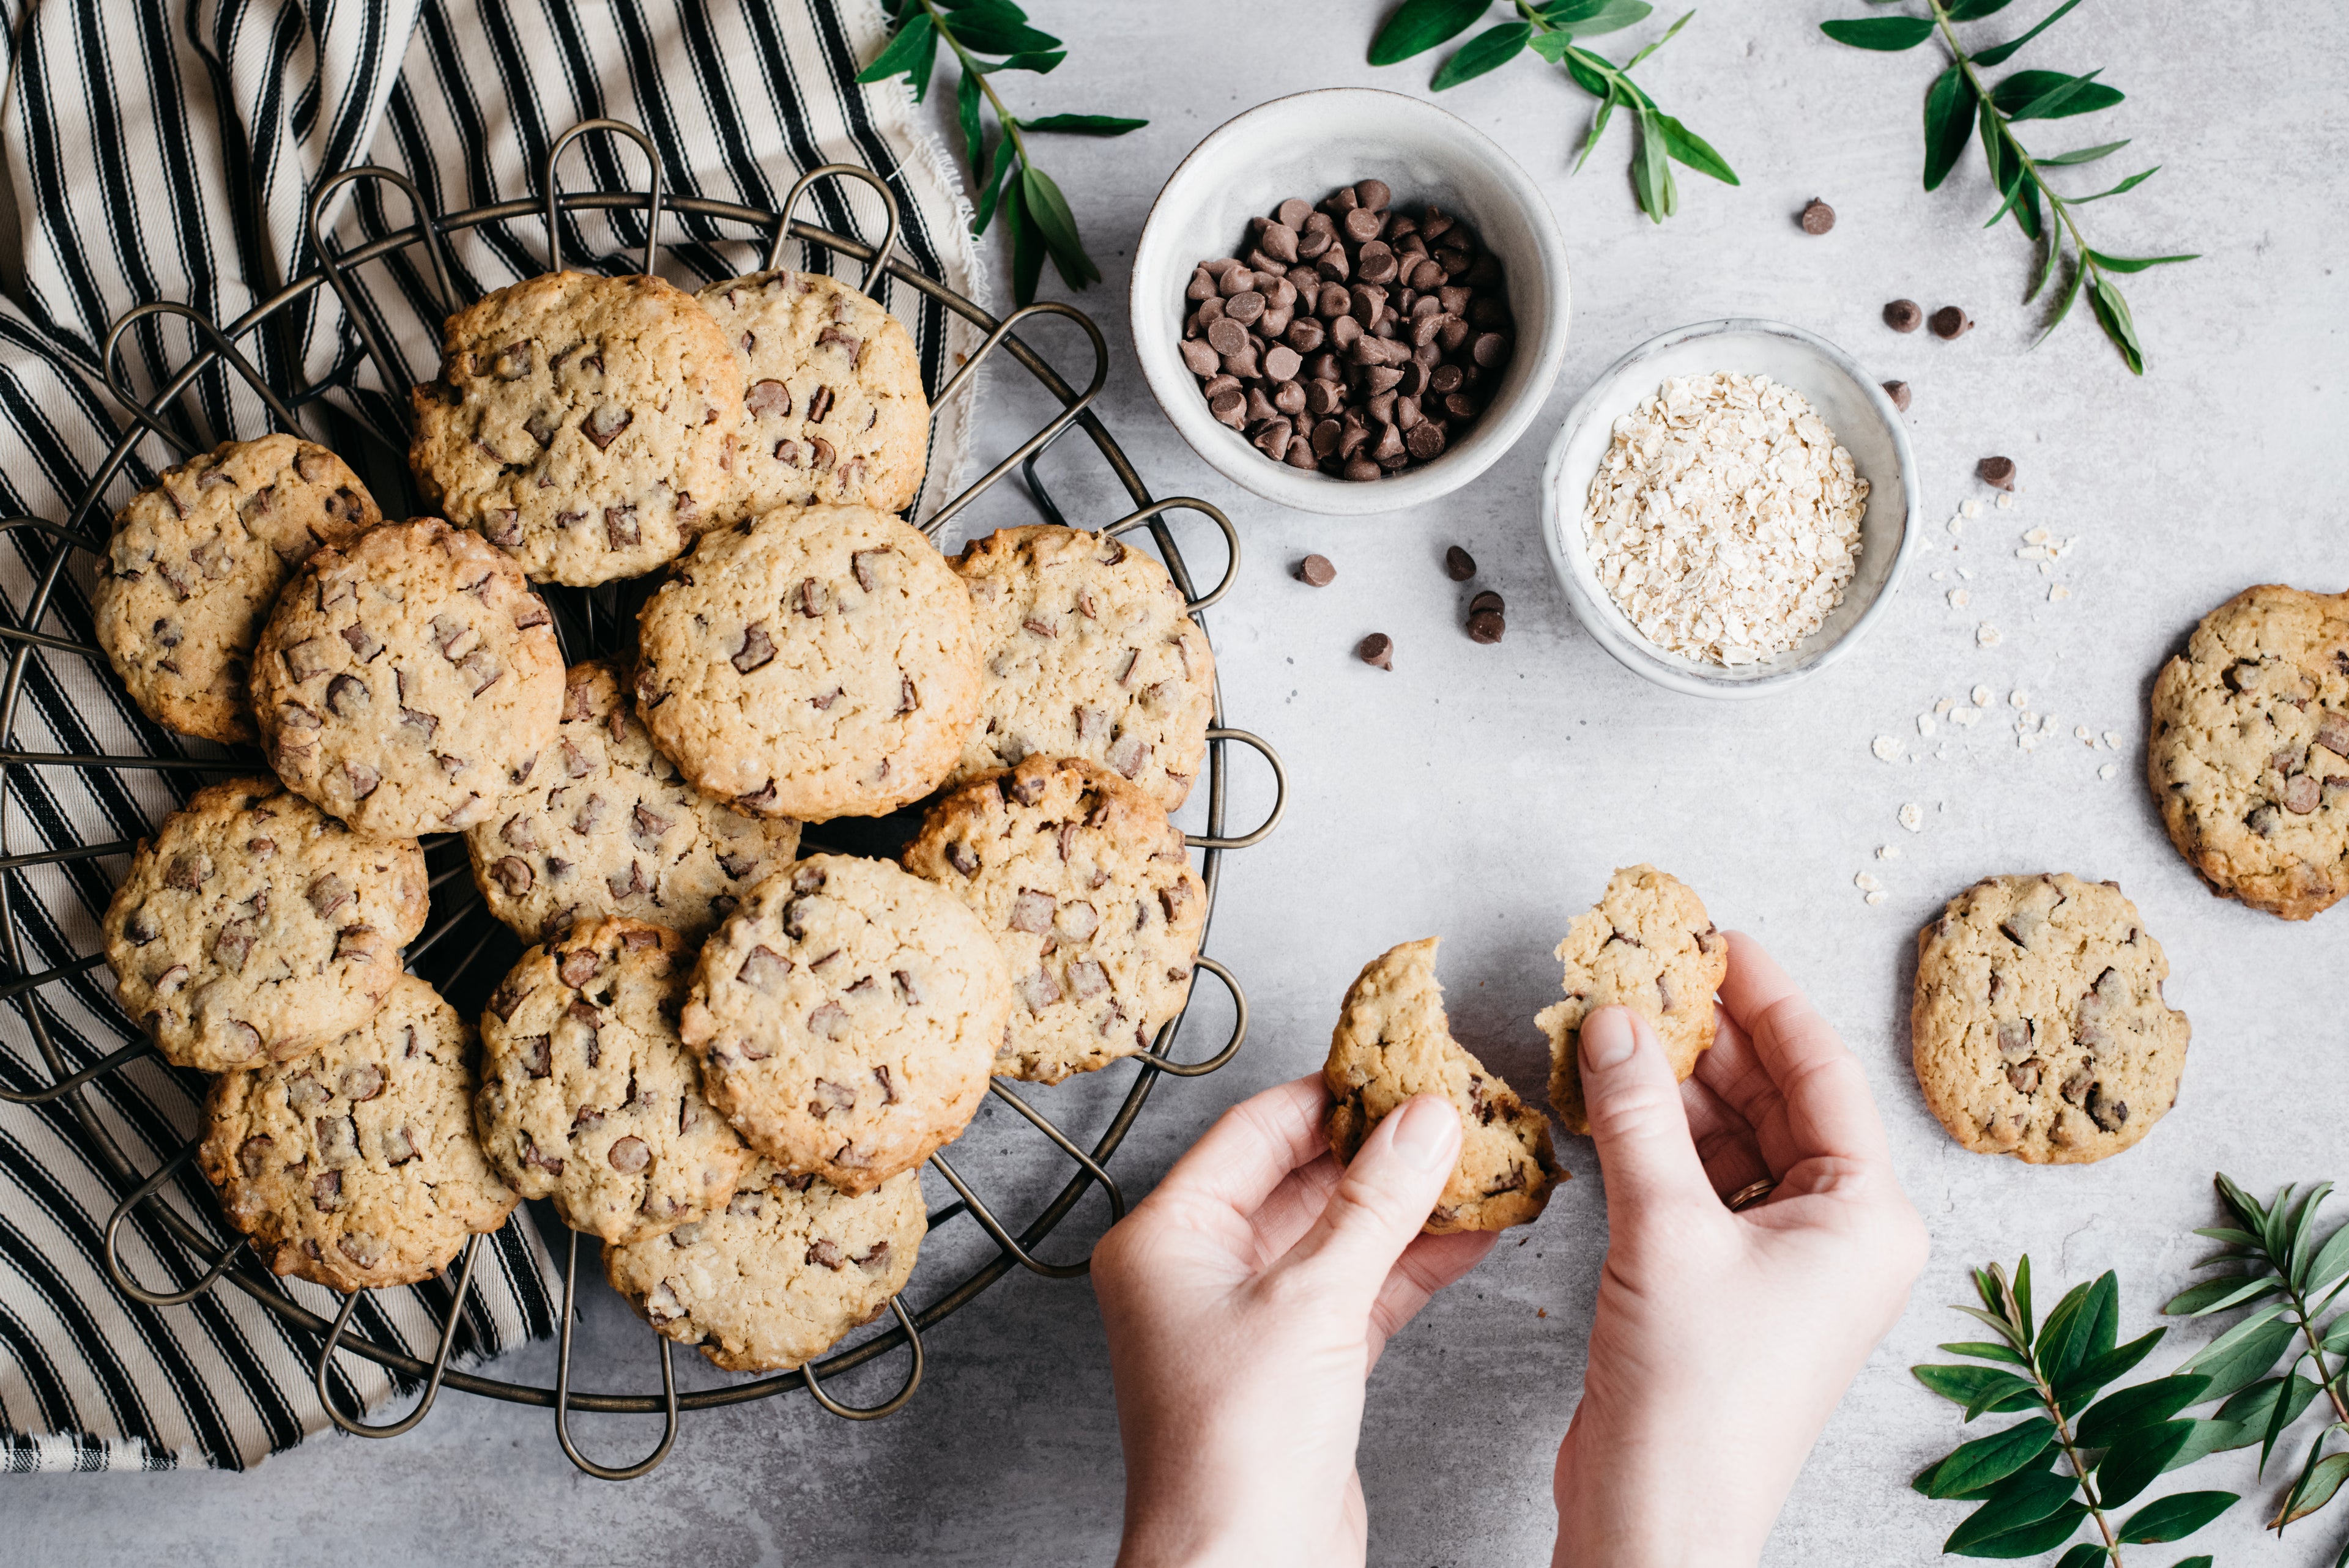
{"x": 1392, "y": 1042}
{"x": 832, "y": 408}
{"x": 774, "y": 1279}
{"x": 607, "y": 826}
{"x": 1648, "y": 947}
{"x": 2038, "y": 1026}
{"x": 408, "y": 681}
{"x": 196, "y": 560}
{"x": 847, "y": 1015}
{"x": 354, "y": 1166}
{"x": 2250, "y": 754}
{"x": 1089, "y": 653}
{"x": 1089, "y": 893}
{"x": 254, "y": 925}
{"x": 584, "y": 423}
{"x": 588, "y": 1097}
{"x": 817, "y": 661}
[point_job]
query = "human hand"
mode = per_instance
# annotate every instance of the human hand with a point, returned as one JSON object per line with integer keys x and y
{"x": 1247, "y": 1300}
{"x": 1722, "y": 1342}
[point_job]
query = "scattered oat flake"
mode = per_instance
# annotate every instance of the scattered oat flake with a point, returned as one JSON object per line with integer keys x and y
{"x": 1957, "y": 525}
{"x": 2031, "y": 552}
{"x": 2018, "y": 698}
{"x": 2057, "y": 592}
{"x": 1865, "y": 882}
{"x": 1887, "y": 851}
{"x": 2004, "y": 501}
{"x": 1983, "y": 696}
{"x": 1912, "y": 817}
{"x": 1986, "y": 636}
{"x": 2047, "y": 569}
{"x": 1875, "y": 897}
{"x": 2035, "y": 536}
{"x": 1970, "y": 508}
{"x": 1966, "y": 715}
{"x": 1945, "y": 705}
{"x": 2113, "y": 739}
{"x": 1967, "y": 573}
{"x": 1959, "y": 598}
{"x": 1886, "y": 747}
{"x": 1925, "y": 725}
{"x": 2109, "y": 770}
{"x": 2083, "y": 733}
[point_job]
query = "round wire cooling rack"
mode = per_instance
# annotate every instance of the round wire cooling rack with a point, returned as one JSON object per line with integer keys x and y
{"x": 462, "y": 948}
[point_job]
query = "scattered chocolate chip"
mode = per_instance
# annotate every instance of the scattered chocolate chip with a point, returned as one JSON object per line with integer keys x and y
{"x": 1378, "y": 649}
{"x": 1458, "y": 565}
{"x": 1904, "y": 315}
{"x": 1996, "y": 472}
{"x": 1818, "y": 217}
{"x": 1488, "y": 600}
{"x": 1898, "y": 392}
{"x": 1317, "y": 571}
{"x": 1951, "y": 321}
{"x": 1485, "y": 626}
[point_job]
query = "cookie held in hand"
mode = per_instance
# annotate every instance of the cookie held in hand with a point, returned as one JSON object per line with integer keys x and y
{"x": 1650, "y": 946}
{"x": 1392, "y": 1042}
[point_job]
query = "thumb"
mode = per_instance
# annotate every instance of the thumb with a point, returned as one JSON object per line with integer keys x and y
{"x": 1380, "y": 1203}
{"x": 1646, "y": 1152}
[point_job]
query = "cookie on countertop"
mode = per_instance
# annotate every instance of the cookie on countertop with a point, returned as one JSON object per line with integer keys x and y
{"x": 833, "y": 406}
{"x": 1650, "y": 946}
{"x": 607, "y": 826}
{"x": 847, "y": 1017}
{"x": 196, "y": 560}
{"x": 1089, "y": 891}
{"x": 1089, "y": 653}
{"x": 2038, "y": 1026}
{"x": 409, "y": 681}
{"x": 815, "y": 662}
{"x": 588, "y": 1096}
{"x": 355, "y": 1166}
{"x": 2249, "y": 757}
{"x": 1392, "y": 1042}
{"x": 253, "y": 925}
{"x": 584, "y": 423}
{"x": 775, "y": 1278}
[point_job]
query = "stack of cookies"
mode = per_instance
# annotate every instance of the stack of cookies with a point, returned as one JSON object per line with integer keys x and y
{"x": 724, "y": 1058}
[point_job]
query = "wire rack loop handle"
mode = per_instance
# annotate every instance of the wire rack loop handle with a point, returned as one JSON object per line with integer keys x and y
{"x": 1069, "y": 1146}
{"x": 55, "y": 531}
{"x": 395, "y": 375}
{"x": 1214, "y": 514}
{"x": 359, "y": 1429}
{"x": 1262, "y": 748}
{"x": 888, "y": 1407}
{"x": 563, "y": 1390}
{"x": 1053, "y": 428}
{"x": 1000, "y": 1233}
{"x": 120, "y": 1275}
{"x": 879, "y": 262}
{"x": 221, "y": 348}
{"x": 555, "y": 189}
{"x": 1166, "y": 1064}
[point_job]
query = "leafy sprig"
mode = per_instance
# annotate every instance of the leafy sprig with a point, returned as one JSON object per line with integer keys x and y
{"x": 1003, "y": 175}
{"x": 2112, "y": 1447}
{"x": 1549, "y": 30}
{"x": 2273, "y": 1262}
{"x": 1961, "y": 104}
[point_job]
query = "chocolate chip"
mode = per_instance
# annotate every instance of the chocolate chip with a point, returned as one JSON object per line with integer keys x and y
{"x": 1904, "y": 315}
{"x": 1317, "y": 571}
{"x": 1488, "y": 600}
{"x": 1818, "y": 217}
{"x": 1485, "y": 626}
{"x": 1458, "y": 565}
{"x": 1996, "y": 472}
{"x": 1898, "y": 392}
{"x": 1378, "y": 649}
{"x": 1951, "y": 321}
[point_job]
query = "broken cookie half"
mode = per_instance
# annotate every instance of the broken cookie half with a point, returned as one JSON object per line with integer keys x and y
{"x": 1392, "y": 1042}
{"x": 1648, "y": 947}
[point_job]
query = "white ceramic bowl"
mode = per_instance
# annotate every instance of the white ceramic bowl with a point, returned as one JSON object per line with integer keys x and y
{"x": 1308, "y": 145}
{"x": 1855, "y": 408}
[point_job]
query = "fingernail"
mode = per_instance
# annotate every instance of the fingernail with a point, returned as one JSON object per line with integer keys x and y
{"x": 1607, "y": 1038}
{"x": 1424, "y": 1129}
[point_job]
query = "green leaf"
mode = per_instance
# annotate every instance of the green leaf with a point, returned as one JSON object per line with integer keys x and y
{"x": 2202, "y": 1359}
{"x": 2209, "y": 1437}
{"x": 2286, "y": 1411}
{"x": 1488, "y": 50}
{"x": 1418, "y": 26}
{"x": 2247, "y": 1361}
{"x": 2020, "y": 1500}
{"x": 2336, "y": 1338}
{"x": 1026, "y": 245}
{"x": 2082, "y": 1385}
{"x": 1984, "y": 1350}
{"x": 2112, "y": 315}
{"x": 1987, "y": 1459}
{"x": 2246, "y": 1208}
{"x": 1889, "y": 34}
{"x": 2088, "y": 155}
{"x": 1978, "y": 1389}
{"x": 1050, "y": 211}
{"x": 1950, "y": 107}
{"x": 991, "y": 183}
{"x": 2219, "y": 1295}
{"x": 2331, "y": 1260}
{"x": 2013, "y": 1334}
{"x": 2052, "y": 95}
{"x": 2064, "y": 306}
{"x": 1651, "y": 170}
{"x": 997, "y": 27}
{"x": 1688, "y": 148}
{"x": 2021, "y": 1288}
{"x": 903, "y": 53}
{"x": 1588, "y": 18}
{"x": 1597, "y": 129}
{"x": 974, "y": 140}
{"x": 2026, "y": 207}
{"x": 1553, "y": 47}
{"x": 1999, "y": 53}
{"x": 2202, "y": 1562}
{"x": 2085, "y": 1556}
{"x": 2297, "y": 1255}
{"x": 2136, "y": 1461}
{"x": 2049, "y": 252}
{"x": 1085, "y": 124}
{"x": 1041, "y": 63}
{"x": 2084, "y": 1322}
{"x": 1974, "y": 10}
{"x": 2142, "y": 1406}
{"x": 1670, "y": 34}
{"x": 2030, "y": 1540}
{"x": 2253, "y": 1409}
{"x": 2316, "y": 1486}
{"x": 2176, "y": 1517}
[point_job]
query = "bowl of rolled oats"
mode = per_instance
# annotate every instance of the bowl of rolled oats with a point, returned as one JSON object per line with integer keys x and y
{"x": 1729, "y": 507}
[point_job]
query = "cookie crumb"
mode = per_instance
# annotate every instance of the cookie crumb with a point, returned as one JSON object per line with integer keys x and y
{"x": 1912, "y": 817}
{"x": 1886, "y": 747}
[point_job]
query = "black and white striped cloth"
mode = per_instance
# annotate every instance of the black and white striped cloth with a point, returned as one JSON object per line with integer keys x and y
{"x": 167, "y": 149}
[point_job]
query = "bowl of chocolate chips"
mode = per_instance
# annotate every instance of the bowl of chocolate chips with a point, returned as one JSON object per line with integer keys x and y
{"x": 1350, "y": 301}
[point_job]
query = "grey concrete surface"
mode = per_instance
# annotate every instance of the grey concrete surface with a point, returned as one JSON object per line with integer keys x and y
{"x": 1484, "y": 794}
